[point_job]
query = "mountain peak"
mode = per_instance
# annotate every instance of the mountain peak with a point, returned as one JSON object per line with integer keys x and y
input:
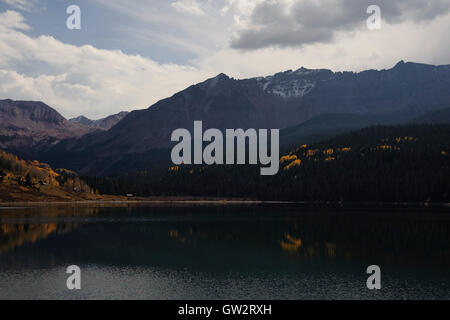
{"x": 302, "y": 69}
{"x": 222, "y": 75}
{"x": 104, "y": 123}
{"x": 305, "y": 71}
{"x": 399, "y": 64}
{"x": 33, "y": 110}
{"x": 213, "y": 82}
{"x": 80, "y": 118}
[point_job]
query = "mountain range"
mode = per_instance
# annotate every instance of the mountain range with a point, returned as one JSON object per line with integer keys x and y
{"x": 306, "y": 104}
{"x": 28, "y": 128}
{"x": 102, "y": 124}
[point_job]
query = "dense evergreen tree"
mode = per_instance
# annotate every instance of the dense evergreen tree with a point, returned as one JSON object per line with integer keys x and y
{"x": 382, "y": 164}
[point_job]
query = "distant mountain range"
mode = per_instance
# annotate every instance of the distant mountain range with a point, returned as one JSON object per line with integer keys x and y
{"x": 27, "y": 127}
{"x": 103, "y": 124}
{"x": 306, "y": 104}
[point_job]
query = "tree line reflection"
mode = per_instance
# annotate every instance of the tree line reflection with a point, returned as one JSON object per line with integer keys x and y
{"x": 199, "y": 236}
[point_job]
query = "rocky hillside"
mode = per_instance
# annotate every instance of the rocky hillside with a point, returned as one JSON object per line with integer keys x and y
{"x": 27, "y": 127}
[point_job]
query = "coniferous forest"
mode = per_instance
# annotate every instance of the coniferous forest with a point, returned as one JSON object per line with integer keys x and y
{"x": 409, "y": 163}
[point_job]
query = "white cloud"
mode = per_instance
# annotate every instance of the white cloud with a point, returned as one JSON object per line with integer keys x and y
{"x": 83, "y": 80}
{"x": 158, "y": 22}
{"x": 24, "y": 5}
{"x": 295, "y": 23}
{"x": 94, "y": 82}
{"x": 351, "y": 51}
{"x": 188, "y": 6}
{"x": 11, "y": 20}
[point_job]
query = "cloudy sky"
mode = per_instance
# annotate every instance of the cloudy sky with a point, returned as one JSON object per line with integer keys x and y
{"x": 131, "y": 53}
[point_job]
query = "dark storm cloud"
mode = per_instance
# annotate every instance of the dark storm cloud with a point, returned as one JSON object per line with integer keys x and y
{"x": 276, "y": 23}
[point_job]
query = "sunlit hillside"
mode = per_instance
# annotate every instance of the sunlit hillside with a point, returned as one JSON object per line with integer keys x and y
{"x": 22, "y": 180}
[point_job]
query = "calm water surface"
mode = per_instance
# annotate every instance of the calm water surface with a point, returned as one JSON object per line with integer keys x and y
{"x": 224, "y": 252}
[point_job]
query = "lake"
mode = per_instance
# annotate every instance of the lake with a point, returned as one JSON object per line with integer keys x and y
{"x": 259, "y": 251}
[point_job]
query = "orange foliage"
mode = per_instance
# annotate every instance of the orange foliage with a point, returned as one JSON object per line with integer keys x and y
{"x": 288, "y": 158}
{"x": 311, "y": 153}
{"x": 295, "y": 163}
{"x": 290, "y": 243}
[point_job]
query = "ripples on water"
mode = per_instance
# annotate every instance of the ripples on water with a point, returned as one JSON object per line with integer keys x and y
{"x": 224, "y": 252}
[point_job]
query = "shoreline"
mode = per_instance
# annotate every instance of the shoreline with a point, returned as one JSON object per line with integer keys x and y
{"x": 213, "y": 201}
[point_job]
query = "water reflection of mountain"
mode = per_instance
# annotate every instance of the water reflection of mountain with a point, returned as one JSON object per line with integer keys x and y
{"x": 239, "y": 238}
{"x": 22, "y": 226}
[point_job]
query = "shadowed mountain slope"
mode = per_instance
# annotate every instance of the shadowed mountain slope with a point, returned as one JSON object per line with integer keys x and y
{"x": 280, "y": 101}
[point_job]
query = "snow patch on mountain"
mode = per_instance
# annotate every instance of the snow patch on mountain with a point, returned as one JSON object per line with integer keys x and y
{"x": 305, "y": 72}
{"x": 286, "y": 89}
